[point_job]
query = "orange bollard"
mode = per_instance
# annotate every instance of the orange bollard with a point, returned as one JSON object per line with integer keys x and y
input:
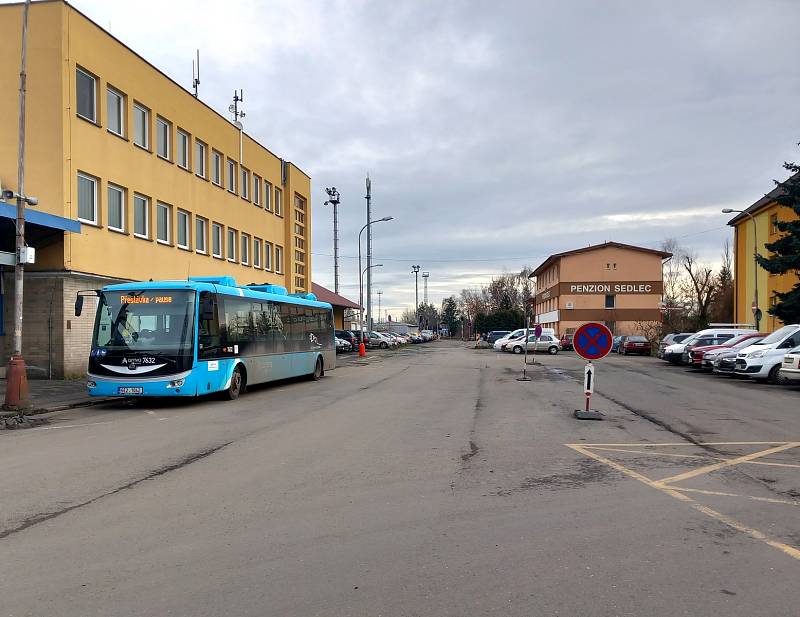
{"x": 362, "y": 349}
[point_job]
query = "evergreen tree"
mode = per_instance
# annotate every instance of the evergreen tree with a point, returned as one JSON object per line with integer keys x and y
{"x": 450, "y": 314}
{"x": 786, "y": 249}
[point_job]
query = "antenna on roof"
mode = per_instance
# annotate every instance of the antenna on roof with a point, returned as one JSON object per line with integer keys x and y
{"x": 196, "y": 73}
{"x": 238, "y": 97}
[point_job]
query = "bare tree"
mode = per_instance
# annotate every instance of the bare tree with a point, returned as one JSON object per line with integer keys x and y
{"x": 700, "y": 286}
{"x": 672, "y": 271}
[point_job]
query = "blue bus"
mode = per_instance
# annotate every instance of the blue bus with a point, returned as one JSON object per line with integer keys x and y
{"x": 204, "y": 335}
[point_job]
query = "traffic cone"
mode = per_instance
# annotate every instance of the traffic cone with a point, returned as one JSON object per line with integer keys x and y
{"x": 362, "y": 349}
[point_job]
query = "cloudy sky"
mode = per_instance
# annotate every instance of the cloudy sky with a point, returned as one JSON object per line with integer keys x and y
{"x": 496, "y": 133}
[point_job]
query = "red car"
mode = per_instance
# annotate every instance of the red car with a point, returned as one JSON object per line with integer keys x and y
{"x": 737, "y": 342}
{"x": 635, "y": 344}
{"x": 566, "y": 342}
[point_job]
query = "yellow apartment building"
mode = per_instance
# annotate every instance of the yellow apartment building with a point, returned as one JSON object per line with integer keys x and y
{"x": 619, "y": 285}
{"x": 136, "y": 179}
{"x": 750, "y": 233}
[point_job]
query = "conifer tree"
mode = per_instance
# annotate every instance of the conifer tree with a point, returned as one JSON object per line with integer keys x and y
{"x": 785, "y": 251}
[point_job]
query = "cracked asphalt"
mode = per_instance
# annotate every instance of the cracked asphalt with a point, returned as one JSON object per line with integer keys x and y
{"x": 422, "y": 482}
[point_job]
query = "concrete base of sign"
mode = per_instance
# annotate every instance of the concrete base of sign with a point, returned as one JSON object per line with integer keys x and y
{"x": 589, "y": 414}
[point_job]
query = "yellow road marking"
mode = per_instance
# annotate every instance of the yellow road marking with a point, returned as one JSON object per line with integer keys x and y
{"x": 771, "y": 464}
{"x": 672, "y": 492}
{"x": 670, "y": 454}
{"x": 682, "y": 443}
{"x": 727, "y": 463}
{"x": 702, "y": 456}
{"x": 721, "y": 494}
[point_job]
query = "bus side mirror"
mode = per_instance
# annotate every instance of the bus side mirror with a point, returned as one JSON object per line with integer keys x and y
{"x": 206, "y": 307}
{"x": 78, "y": 305}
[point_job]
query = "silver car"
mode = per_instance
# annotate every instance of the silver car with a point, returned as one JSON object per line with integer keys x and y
{"x": 546, "y": 342}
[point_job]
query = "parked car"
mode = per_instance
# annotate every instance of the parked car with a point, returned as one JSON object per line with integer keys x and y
{"x": 343, "y": 345}
{"x": 496, "y": 334}
{"x": 702, "y": 356}
{"x": 763, "y": 361}
{"x": 347, "y": 336}
{"x": 635, "y": 344}
{"x": 678, "y": 352}
{"x": 671, "y": 339}
{"x": 615, "y": 343}
{"x": 427, "y": 335}
{"x": 790, "y": 369}
{"x": 566, "y": 342}
{"x": 389, "y": 334}
{"x": 376, "y": 339}
{"x": 414, "y": 337}
{"x": 725, "y": 361}
{"x": 498, "y": 344}
{"x": 546, "y": 342}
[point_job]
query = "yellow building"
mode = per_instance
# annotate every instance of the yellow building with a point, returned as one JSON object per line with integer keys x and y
{"x": 765, "y": 213}
{"x": 163, "y": 186}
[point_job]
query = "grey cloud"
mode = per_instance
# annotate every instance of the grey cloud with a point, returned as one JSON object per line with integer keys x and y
{"x": 498, "y": 130}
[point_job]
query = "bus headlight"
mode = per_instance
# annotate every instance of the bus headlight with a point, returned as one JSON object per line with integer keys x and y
{"x": 177, "y": 383}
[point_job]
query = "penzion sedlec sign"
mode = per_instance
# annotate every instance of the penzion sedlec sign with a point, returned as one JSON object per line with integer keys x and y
{"x": 602, "y": 288}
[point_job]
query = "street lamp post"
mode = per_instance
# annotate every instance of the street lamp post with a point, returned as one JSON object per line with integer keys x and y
{"x": 415, "y": 271}
{"x": 17, "y": 381}
{"x": 361, "y": 272}
{"x": 756, "y": 309}
{"x": 333, "y": 199}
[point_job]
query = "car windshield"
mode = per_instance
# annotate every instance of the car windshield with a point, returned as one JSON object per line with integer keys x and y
{"x": 636, "y": 339}
{"x": 779, "y": 335}
{"x": 152, "y": 320}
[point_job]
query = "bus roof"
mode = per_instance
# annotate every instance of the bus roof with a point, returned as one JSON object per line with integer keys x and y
{"x": 224, "y": 285}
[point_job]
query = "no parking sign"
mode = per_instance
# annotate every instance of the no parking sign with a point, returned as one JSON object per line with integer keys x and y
{"x": 592, "y": 341}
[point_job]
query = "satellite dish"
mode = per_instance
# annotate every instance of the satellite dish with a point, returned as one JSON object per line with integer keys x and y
{"x": 238, "y": 125}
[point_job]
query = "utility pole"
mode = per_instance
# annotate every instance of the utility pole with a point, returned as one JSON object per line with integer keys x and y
{"x": 17, "y": 379}
{"x": 333, "y": 199}
{"x": 415, "y": 271}
{"x": 425, "y": 276}
{"x": 368, "y": 197}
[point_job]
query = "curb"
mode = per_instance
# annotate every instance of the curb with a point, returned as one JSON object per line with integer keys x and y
{"x": 37, "y": 411}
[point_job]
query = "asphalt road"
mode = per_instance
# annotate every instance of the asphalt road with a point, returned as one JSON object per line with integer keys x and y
{"x": 424, "y": 482}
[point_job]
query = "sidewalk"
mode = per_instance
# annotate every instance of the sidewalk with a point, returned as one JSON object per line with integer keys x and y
{"x": 54, "y": 395}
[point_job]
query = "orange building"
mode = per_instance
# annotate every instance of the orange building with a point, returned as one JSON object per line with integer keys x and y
{"x": 617, "y": 284}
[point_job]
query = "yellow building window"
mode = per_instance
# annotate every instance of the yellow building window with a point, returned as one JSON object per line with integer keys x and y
{"x": 773, "y": 224}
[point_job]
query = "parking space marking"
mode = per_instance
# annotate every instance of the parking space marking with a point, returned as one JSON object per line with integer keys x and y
{"x": 678, "y": 493}
{"x": 727, "y": 463}
{"x": 696, "y": 456}
{"x": 721, "y": 494}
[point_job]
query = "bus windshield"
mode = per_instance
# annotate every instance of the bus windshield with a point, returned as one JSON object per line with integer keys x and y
{"x": 159, "y": 321}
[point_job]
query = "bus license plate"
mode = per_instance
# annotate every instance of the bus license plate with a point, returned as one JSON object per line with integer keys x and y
{"x": 130, "y": 390}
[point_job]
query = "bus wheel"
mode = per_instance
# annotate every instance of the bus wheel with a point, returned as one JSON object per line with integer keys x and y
{"x": 237, "y": 384}
{"x": 318, "y": 370}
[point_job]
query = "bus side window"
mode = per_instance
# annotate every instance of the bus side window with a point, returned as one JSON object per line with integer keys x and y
{"x": 208, "y": 336}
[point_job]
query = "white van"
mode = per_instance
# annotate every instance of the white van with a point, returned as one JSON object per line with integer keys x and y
{"x": 763, "y": 360}
{"x": 679, "y": 352}
{"x": 518, "y": 333}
